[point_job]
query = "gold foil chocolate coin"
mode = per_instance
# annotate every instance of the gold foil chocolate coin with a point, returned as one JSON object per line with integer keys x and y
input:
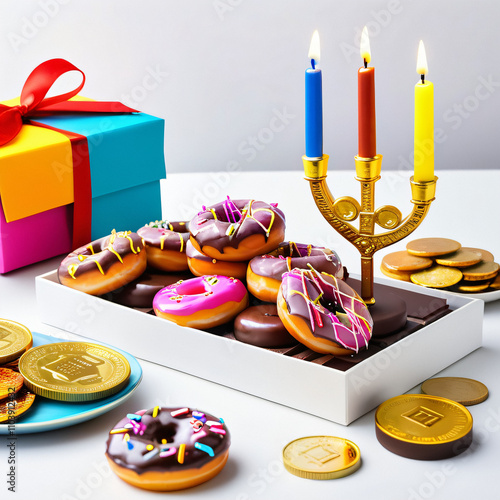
{"x": 10, "y": 382}
{"x": 74, "y": 371}
{"x": 465, "y": 391}
{"x": 423, "y": 427}
{"x": 481, "y": 271}
{"x": 396, "y": 275}
{"x": 437, "y": 277}
{"x": 321, "y": 457}
{"x": 15, "y": 339}
{"x": 432, "y": 247}
{"x": 403, "y": 261}
{"x": 473, "y": 286}
{"x": 12, "y": 407}
{"x": 485, "y": 255}
{"x": 495, "y": 284}
{"x": 460, "y": 258}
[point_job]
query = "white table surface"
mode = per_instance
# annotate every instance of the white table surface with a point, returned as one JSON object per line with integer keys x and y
{"x": 69, "y": 463}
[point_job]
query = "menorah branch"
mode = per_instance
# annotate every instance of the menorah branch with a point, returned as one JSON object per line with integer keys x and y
{"x": 339, "y": 213}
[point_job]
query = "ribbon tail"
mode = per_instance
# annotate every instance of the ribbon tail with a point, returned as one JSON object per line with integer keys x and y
{"x": 11, "y": 122}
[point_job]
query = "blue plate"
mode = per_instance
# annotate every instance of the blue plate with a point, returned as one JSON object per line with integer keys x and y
{"x": 48, "y": 414}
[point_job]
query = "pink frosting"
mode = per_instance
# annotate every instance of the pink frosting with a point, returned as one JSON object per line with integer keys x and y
{"x": 205, "y": 292}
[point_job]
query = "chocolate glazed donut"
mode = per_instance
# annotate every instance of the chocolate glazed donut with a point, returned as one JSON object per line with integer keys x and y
{"x": 261, "y": 326}
{"x": 166, "y": 449}
{"x": 237, "y": 230}
{"x": 264, "y": 272}
{"x": 105, "y": 264}
{"x": 166, "y": 245}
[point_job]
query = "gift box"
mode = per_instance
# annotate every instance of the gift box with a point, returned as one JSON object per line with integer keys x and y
{"x": 72, "y": 173}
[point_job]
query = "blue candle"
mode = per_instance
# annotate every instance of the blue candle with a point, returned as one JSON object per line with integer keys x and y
{"x": 314, "y": 103}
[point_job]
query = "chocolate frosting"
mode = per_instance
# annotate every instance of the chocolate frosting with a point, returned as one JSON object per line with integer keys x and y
{"x": 133, "y": 453}
{"x": 166, "y": 235}
{"x": 332, "y": 308}
{"x": 261, "y": 326}
{"x": 290, "y": 255}
{"x": 103, "y": 252}
{"x": 231, "y": 221}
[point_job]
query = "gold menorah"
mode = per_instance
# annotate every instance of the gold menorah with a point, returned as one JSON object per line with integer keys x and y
{"x": 342, "y": 211}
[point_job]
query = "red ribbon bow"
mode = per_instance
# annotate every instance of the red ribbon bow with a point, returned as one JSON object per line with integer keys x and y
{"x": 34, "y": 103}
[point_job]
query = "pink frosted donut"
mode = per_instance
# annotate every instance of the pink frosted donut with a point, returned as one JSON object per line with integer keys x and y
{"x": 201, "y": 302}
{"x": 323, "y": 312}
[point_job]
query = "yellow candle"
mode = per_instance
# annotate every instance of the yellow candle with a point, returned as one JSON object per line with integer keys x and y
{"x": 423, "y": 153}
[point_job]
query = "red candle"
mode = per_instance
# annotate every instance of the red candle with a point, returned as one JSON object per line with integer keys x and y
{"x": 367, "y": 133}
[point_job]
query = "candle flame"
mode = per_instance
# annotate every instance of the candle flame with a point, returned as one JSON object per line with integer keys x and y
{"x": 314, "y": 48}
{"x": 422, "y": 68}
{"x": 364, "y": 47}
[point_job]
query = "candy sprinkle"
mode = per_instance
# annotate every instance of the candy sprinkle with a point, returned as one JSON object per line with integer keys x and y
{"x": 149, "y": 447}
{"x": 118, "y": 431}
{"x": 133, "y": 416}
{"x": 155, "y": 411}
{"x": 198, "y": 435}
{"x": 150, "y": 454}
{"x": 213, "y": 422}
{"x": 169, "y": 452}
{"x": 217, "y": 430}
{"x": 203, "y": 447}
{"x": 199, "y": 415}
{"x": 180, "y": 455}
{"x": 179, "y": 412}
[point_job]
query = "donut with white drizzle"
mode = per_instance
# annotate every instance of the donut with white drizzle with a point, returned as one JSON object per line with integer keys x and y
{"x": 166, "y": 449}
{"x": 105, "y": 264}
{"x": 323, "y": 312}
{"x": 237, "y": 230}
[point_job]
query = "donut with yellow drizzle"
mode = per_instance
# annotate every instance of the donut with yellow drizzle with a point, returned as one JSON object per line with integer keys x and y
{"x": 323, "y": 312}
{"x": 201, "y": 264}
{"x": 166, "y": 245}
{"x": 237, "y": 230}
{"x": 105, "y": 264}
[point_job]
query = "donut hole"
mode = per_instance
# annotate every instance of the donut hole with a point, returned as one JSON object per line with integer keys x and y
{"x": 192, "y": 287}
{"x": 165, "y": 433}
{"x": 228, "y": 212}
{"x": 331, "y": 305}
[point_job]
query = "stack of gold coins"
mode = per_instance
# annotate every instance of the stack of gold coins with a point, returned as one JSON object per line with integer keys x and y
{"x": 15, "y": 399}
{"x": 445, "y": 264}
{"x": 15, "y": 340}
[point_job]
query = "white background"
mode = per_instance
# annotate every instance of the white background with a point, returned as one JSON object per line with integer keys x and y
{"x": 218, "y": 71}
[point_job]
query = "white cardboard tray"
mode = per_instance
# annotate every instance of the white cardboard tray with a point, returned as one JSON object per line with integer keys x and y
{"x": 338, "y": 396}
